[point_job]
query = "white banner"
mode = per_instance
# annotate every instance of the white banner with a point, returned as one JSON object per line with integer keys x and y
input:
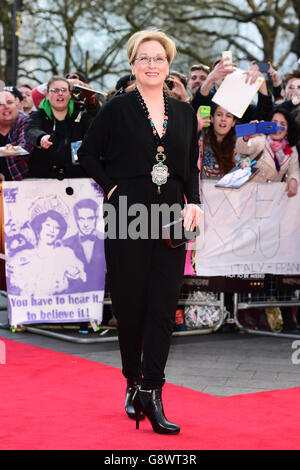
{"x": 54, "y": 248}
{"x": 252, "y": 230}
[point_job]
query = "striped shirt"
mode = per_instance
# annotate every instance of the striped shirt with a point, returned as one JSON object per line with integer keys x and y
{"x": 18, "y": 165}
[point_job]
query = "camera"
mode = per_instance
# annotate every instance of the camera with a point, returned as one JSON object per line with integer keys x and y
{"x": 52, "y": 137}
{"x": 58, "y": 172}
{"x": 77, "y": 95}
{"x": 170, "y": 84}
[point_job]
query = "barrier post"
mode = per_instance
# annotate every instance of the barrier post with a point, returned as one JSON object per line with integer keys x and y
{"x": 2, "y": 352}
{"x": 2, "y": 263}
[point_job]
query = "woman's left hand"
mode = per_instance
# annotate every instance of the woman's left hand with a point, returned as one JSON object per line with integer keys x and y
{"x": 192, "y": 214}
{"x": 291, "y": 187}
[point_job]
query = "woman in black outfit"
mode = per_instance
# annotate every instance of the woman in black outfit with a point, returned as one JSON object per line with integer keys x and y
{"x": 130, "y": 135}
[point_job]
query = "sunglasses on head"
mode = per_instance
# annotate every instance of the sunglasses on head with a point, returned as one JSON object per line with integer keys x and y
{"x": 72, "y": 75}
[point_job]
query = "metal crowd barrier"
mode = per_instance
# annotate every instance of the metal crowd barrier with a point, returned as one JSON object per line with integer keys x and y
{"x": 285, "y": 292}
{"x": 246, "y": 293}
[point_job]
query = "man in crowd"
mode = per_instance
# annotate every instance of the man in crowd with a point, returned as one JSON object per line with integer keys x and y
{"x": 13, "y": 166}
{"x": 197, "y": 76}
{"x": 56, "y": 131}
{"x": 17, "y": 94}
{"x": 26, "y": 104}
{"x": 290, "y": 91}
{"x": 204, "y": 95}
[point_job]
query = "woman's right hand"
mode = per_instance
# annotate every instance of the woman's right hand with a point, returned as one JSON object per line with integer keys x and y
{"x": 203, "y": 121}
{"x": 291, "y": 187}
{"x": 111, "y": 191}
{"x": 45, "y": 143}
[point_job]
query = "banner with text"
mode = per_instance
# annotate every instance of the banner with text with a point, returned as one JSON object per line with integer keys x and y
{"x": 252, "y": 230}
{"x": 54, "y": 248}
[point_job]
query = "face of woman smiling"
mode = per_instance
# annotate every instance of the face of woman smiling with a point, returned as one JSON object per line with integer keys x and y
{"x": 49, "y": 231}
{"x": 150, "y": 74}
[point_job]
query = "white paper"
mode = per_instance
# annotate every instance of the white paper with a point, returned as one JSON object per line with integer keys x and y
{"x": 17, "y": 151}
{"x": 234, "y": 94}
{"x": 249, "y": 231}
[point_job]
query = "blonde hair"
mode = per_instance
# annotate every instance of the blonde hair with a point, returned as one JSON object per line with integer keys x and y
{"x": 138, "y": 38}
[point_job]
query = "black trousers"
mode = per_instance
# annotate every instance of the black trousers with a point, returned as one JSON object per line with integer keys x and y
{"x": 145, "y": 278}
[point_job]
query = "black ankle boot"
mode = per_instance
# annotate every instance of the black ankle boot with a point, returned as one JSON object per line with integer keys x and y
{"x": 149, "y": 403}
{"x": 132, "y": 386}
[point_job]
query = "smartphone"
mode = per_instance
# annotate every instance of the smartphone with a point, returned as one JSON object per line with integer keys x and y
{"x": 263, "y": 67}
{"x": 175, "y": 234}
{"x": 204, "y": 111}
{"x": 227, "y": 55}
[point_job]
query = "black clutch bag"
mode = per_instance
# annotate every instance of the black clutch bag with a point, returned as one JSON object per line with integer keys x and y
{"x": 175, "y": 234}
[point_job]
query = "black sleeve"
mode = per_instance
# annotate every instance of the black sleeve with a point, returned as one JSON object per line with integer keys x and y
{"x": 277, "y": 92}
{"x": 34, "y": 128}
{"x": 259, "y": 112}
{"x": 201, "y": 100}
{"x": 92, "y": 107}
{"x": 86, "y": 122}
{"x": 264, "y": 107}
{"x": 91, "y": 154}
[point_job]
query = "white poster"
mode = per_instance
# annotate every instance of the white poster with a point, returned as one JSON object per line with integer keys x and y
{"x": 54, "y": 248}
{"x": 252, "y": 230}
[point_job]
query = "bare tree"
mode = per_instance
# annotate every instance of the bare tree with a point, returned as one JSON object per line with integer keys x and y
{"x": 5, "y": 39}
{"x": 90, "y": 36}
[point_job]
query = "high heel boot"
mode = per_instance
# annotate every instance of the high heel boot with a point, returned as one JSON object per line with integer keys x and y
{"x": 150, "y": 404}
{"x": 132, "y": 386}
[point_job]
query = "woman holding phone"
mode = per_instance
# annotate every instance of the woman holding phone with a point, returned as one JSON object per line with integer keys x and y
{"x": 217, "y": 143}
{"x": 276, "y": 154}
{"x": 131, "y": 142}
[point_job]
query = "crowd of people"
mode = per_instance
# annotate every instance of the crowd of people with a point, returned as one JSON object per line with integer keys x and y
{"x": 50, "y": 120}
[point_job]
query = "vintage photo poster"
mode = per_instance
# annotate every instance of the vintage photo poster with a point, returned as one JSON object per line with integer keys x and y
{"x": 54, "y": 248}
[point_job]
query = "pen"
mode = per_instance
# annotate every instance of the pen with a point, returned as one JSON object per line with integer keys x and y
{"x": 252, "y": 163}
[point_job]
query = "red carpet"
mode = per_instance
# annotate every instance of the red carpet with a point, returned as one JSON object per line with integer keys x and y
{"x": 50, "y": 400}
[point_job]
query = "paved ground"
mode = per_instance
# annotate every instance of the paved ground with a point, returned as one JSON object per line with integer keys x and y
{"x": 221, "y": 364}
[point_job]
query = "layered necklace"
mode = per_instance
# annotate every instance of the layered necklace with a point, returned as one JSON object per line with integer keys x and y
{"x": 159, "y": 171}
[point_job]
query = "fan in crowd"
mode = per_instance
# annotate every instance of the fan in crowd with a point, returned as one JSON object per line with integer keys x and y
{"x": 14, "y": 164}
{"x": 276, "y": 155}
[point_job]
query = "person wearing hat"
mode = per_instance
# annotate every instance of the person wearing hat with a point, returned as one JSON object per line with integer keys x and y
{"x": 17, "y": 94}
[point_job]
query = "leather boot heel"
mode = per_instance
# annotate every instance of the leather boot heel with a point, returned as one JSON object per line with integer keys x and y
{"x": 150, "y": 404}
{"x": 132, "y": 386}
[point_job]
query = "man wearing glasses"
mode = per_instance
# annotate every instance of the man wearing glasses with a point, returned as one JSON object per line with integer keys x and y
{"x": 56, "y": 131}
